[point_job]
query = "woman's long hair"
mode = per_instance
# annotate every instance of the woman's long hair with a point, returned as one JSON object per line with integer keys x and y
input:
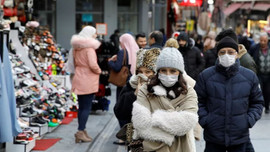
{"x": 178, "y": 88}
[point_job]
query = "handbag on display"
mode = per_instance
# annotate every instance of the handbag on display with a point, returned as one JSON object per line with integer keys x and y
{"x": 120, "y": 78}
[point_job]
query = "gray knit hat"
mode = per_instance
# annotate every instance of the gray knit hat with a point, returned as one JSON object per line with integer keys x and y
{"x": 170, "y": 58}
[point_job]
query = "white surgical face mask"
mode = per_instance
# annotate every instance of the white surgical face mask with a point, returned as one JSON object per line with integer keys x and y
{"x": 168, "y": 80}
{"x": 226, "y": 60}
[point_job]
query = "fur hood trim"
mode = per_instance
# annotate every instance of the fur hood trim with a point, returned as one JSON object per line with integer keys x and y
{"x": 142, "y": 122}
{"x": 78, "y": 41}
{"x": 161, "y": 91}
{"x": 174, "y": 122}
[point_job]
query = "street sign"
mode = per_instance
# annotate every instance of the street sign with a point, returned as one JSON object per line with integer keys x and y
{"x": 101, "y": 28}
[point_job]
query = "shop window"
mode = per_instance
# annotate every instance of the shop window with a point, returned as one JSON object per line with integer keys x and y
{"x": 89, "y": 5}
{"x": 87, "y": 19}
{"x": 44, "y": 11}
{"x": 127, "y": 16}
{"x": 89, "y": 12}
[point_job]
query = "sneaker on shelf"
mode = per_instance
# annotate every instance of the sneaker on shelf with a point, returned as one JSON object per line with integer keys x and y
{"x": 22, "y": 101}
{"x": 21, "y": 137}
{"x": 73, "y": 108}
{"x": 36, "y": 121}
{"x": 23, "y": 123}
{"x": 28, "y": 112}
{"x": 52, "y": 124}
{"x": 39, "y": 111}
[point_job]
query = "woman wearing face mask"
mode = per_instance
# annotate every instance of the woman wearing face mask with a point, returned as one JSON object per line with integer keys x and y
{"x": 86, "y": 80}
{"x": 165, "y": 111}
{"x": 230, "y": 101}
{"x": 145, "y": 68}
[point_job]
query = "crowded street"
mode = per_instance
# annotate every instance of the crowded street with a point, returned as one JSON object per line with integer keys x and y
{"x": 134, "y": 75}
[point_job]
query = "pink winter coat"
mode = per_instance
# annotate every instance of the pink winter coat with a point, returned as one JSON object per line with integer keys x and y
{"x": 86, "y": 79}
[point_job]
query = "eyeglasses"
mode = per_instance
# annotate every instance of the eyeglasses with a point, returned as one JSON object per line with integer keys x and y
{"x": 227, "y": 51}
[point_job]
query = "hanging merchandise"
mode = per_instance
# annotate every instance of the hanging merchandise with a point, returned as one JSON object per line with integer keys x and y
{"x": 30, "y": 10}
{"x": 190, "y": 25}
{"x": 191, "y": 3}
{"x": 172, "y": 17}
{"x": 21, "y": 13}
{"x": 218, "y": 16}
{"x": 204, "y": 21}
{"x": 9, "y": 3}
{"x": 9, "y": 127}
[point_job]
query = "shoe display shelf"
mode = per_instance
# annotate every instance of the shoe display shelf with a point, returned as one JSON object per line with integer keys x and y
{"x": 25, "y": 117}
{"x": 20, "y": 147}
{"x": 41, "y": 129}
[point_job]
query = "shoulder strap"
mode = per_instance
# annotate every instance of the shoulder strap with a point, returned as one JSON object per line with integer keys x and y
{"x": 124, "y": 58}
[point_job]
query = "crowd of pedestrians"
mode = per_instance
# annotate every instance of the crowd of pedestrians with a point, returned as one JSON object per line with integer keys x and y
{"x": 220, "y": 82}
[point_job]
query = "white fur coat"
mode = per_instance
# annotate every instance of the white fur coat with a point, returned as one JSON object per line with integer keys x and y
{"x": 157, "y": 119}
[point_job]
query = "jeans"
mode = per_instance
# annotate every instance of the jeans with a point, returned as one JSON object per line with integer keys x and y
{"x": 265, "y": 86}
{"x": 85, "y": 105}
{"x": 211, "y": 147}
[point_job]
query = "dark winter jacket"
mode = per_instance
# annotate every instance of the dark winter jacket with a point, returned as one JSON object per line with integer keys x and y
{"x": 245, "y": 59}
{"x": 194, "y": 61}
{"x": 230, "y": 102}
{"x": 254, "y": 52}
{"x": 117, "y": 65}
{"x": 123, "y": 106}
{"x": 210, "y": 57}
{"x": 156, "y": 45}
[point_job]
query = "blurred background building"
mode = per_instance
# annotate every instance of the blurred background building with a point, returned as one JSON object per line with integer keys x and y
{"x": 66, "y": 17}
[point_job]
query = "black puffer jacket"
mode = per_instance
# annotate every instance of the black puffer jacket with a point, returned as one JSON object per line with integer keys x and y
{"x": 194, "y": 60}
{"x": 123, "y": 106}
{"x": 230, "y": 102}
{"x": 210, "y": 57}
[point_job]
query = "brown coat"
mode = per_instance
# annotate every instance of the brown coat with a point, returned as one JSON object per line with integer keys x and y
{"x": 165, "y": 125}
{"x": 86, "y": 79}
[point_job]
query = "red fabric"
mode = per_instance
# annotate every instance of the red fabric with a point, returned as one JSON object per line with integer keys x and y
{"x": 10, "y": 12}
{"x": 191, "y": 3}
{"x": 44, "y": 144}
{"x": 101, "y": 91}
{"x": 67, "y": 120}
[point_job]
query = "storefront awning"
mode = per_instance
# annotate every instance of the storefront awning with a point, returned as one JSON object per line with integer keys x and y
{"x": 257, "y": 6}
{"x": 261, "y": 6}
{"x": 232, "y": 8}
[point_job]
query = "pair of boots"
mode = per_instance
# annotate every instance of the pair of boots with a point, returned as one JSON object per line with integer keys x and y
{"x": 82, "y": 136}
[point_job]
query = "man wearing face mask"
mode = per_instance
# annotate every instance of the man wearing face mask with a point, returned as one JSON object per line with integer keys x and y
{"x": 261, "y": 54}
{"x": 193, "y": 58}
{"x": 230, "y": 101}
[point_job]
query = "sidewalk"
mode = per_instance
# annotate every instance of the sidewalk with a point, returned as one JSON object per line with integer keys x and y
{"x": 100, "y": 126}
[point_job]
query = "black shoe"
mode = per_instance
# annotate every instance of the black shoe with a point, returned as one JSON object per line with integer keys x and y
{"x": 28, "y": 112}
{"x": 266, "y": 111}
{"x": 119, "y": 142}
{"x": 36, "y": 121}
